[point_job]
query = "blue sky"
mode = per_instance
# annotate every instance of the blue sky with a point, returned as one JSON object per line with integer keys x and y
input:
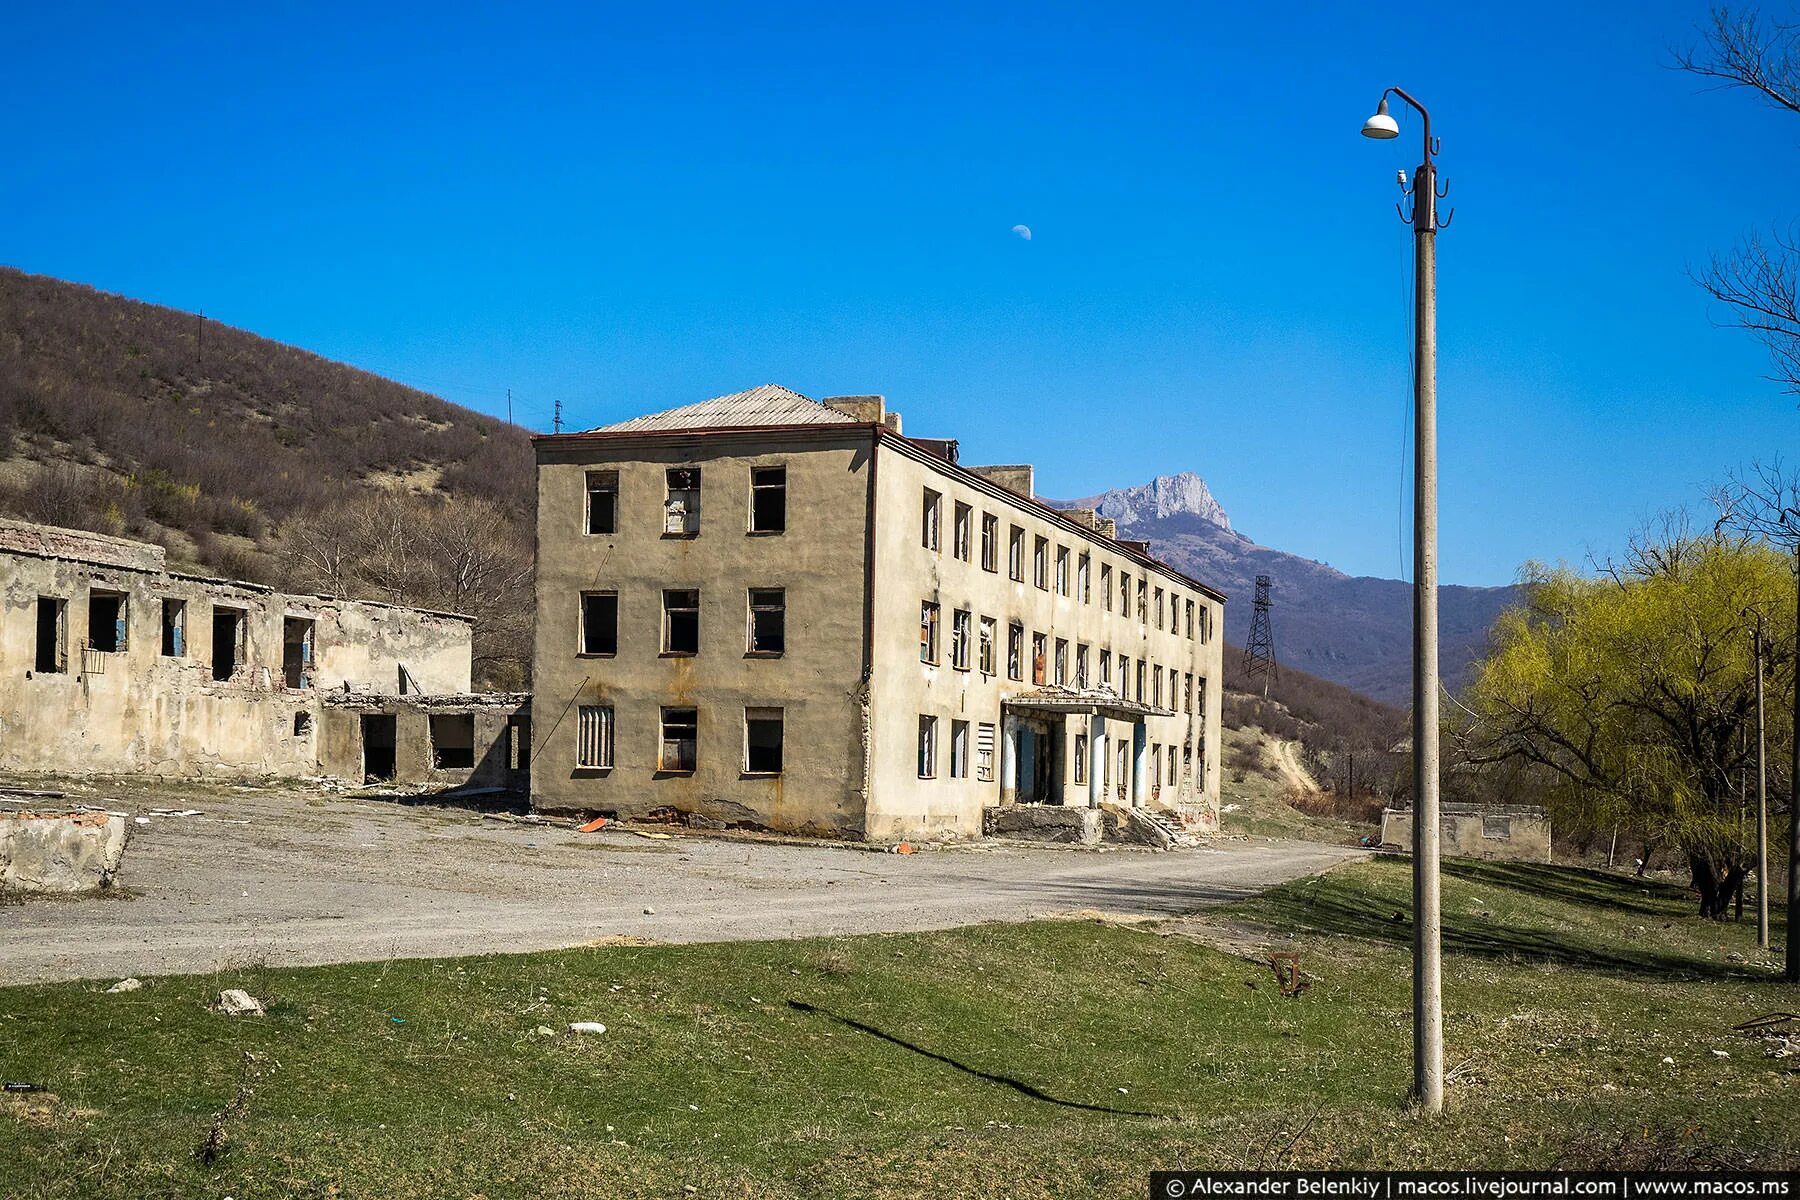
{"x": 631, "y": 208}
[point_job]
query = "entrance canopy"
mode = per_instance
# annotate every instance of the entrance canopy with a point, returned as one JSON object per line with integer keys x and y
{"x": 1093, "y": 702}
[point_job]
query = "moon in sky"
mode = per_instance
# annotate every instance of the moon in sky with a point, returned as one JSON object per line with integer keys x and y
{"x": 1024, "y": 232}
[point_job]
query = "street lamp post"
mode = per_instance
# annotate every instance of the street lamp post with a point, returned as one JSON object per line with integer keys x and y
{"x": 1428, "y": 949}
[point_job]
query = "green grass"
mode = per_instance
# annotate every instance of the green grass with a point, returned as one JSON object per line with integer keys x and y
{"x": 980, "y": 1061}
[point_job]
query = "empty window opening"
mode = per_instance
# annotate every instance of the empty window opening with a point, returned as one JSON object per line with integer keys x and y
{"x": 681, "y": 507}
{"x": 228, "y": 643}
{"x": 1040, "y": 564}
{"x": 1015, "y": 555}
{"x": 602, "y": 501}
{"x": 106, "y": 621}
{"x": 378, "y": 747}
{"x": 960, "y": 630}
{"x": 768, "y": 499}
{"x": 1015, "y": 652}
{"x": 52, "y": 635}
{"x": 990, "y": 539}
{"x": 1062, "y": 662}
{"x": 599, "y": 622}
{"x": 1081, "y": 757}
{"x": 927, "y": 747}
{"x": 1143, "y": 602}
{"x": 762, "y": 741}
{"x": 594, "y": 737}
{"x": 452, "y": 741}
{"x": 959, "y": 544}
{"x": 518, "y": 750}
{"x": 959, "y": 749}
{"x": 768, "y": 621}
{"x": 988, "y": 633}
{"x": 930, "y": 520}
{"x": 303, "y": 724}
{"x": 681, "y": 622}
{"x": 297, "y": 652}
{"x": 680, "y": 739}
{"x": 174, "y": 628}
{"x": 1106, "y": 585}
{"x": 1190, "y": 618}
{"x": 1062, "y": 570}
{"x": 1081, "y": 667}
{"x": 1084, "y": 579}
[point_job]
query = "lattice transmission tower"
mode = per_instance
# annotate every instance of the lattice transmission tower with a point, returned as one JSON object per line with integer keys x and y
{"x": 1259, "y": 652}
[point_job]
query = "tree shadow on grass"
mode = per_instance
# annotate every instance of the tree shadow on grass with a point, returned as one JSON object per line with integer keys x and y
{"x": 1585, "y": 886}
{"x": 1017, "y": 1085}
{"x": 1374, "y": 918}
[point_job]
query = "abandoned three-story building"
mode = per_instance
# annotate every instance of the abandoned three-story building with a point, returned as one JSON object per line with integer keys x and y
{"x": 775, "y": 612}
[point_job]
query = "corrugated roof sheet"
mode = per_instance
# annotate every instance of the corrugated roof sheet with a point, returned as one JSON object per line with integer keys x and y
{"x": 770, "y": 404}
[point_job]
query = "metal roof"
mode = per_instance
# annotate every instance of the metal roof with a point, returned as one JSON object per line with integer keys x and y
{"x": 770, "y": 404}
{"x": 1083, "y": 700}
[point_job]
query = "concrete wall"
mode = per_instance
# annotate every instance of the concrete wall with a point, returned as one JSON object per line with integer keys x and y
{"x": 1519, "y": 833}
{"x": 500, "y": 739}
{"x": 137, "y": 710}
{"x": 819, "y": 561}
{"x": 903, "y": 688}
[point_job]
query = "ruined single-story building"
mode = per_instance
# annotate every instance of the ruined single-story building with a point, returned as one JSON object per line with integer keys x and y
{"x": 111, "y": 663}
{"x": 777, "y": 612}
{"x": 1519, "y": 832}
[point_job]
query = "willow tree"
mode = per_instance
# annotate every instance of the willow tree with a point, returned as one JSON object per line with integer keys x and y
{"x": 1633, "y": 691}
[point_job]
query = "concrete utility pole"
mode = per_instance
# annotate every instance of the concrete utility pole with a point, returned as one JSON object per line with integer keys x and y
{"x": 1428, "y": 947}
{"x": 1762, "y": 800}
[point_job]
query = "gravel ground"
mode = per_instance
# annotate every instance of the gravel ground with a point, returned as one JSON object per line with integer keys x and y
{"x": 293, "y": 876}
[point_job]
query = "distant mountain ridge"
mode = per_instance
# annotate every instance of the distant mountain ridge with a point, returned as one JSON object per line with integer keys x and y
{"x": 1352, "y": 630}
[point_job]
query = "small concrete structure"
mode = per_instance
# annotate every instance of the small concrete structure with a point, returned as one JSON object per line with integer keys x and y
{"x": 1518, "y": 832}
{"x": 1043, "y": 823}
{"x": 476, "y": 740}
{"x": 60, "y": 852}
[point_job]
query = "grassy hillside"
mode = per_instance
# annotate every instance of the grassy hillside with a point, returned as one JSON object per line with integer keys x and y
{"x": 1590, "y": 1026}
{"x": 128, "y": 418}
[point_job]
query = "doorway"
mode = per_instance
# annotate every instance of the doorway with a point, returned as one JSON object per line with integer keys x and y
{"x": 378, "y": 739}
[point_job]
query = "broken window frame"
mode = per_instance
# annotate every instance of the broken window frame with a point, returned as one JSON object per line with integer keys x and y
{"x": 671, "y": 725}
{"x": 1060, "y": 667}
{"x": 1156, "y": 674}
{"x": 766, "y": 631}
{"x": 1187, "y": 693}
{"x": 959, "y": 749}
{"x": 1062, "y": 570}
{"x": 1015, "y": 555}
{"x": 990, "y": 633}
{"x": 1105, "y": 668}
{"x": 1015, "y": 651}
{"x": 449, "y": 758}
{"x": 601, "y": 520}
{"x": 990, "y": 543}
{"x": 962, "y": 516}
{"x": 1081, "y": 665}
{"x": 929, "y": 615}
{"x": 962, "y": 626}
{"x": 764, "y": 716}
{"x": 1106, "y": 586}
{"x": 1079, "y": 758}
{"x": 681, "y": 502}
{"x": 596, "y": 646}
{"x": 51, "y": 656}
{"x": 927, "y": 746}
{"x": 768, "y": 500}
{"x": 1190, "y": 620}
{"x": 594, "y": 737}
{"x": 931, "y": 521}
{"x": 1125, "y": 594}
{"x": 1040, "y": 564}
{"x": 117, "y": 631}
{"x": 1143, "y": 601}
{"x": 172, "y": 642}
{"x": 677, "y": 616}
{"x": 1159, "y": 608}
{"x": 1040, "y": 648}
{"x": 1084, "y": 578}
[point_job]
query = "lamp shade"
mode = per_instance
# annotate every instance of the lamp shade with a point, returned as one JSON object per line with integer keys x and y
{"x": 1381, "y": 125}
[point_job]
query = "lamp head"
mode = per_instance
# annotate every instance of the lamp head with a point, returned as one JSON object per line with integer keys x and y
{"x": 1381, "y": 125}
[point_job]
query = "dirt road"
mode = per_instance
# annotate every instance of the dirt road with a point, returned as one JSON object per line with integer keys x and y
{"x": 293, "y": 878}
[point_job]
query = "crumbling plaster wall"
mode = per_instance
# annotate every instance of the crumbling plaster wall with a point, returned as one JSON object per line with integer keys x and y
{"x": 502, "y": 738}
{"x": 818, "y": 560}
{"x": 137, "y": 710}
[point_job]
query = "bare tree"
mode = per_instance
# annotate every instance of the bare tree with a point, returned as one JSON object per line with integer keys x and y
{"x": 1759, "y": 282}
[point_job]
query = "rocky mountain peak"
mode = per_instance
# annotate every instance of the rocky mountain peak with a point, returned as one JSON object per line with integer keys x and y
{"x": 1165, "y": 496}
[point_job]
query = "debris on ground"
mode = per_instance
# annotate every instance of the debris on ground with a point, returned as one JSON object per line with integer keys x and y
{"x": 20, "y": 1087}
{"x": 545, "y": 1031}
{"x": 903, "y": 848}
{"x": 125, "y": 985}
{"x": 591, "y": 826}
{"x": 660, "y": 837}
{"x": 236, "y": 1002}
{"x": 648, "y": 911}
{"x": 586, "y": 1027}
